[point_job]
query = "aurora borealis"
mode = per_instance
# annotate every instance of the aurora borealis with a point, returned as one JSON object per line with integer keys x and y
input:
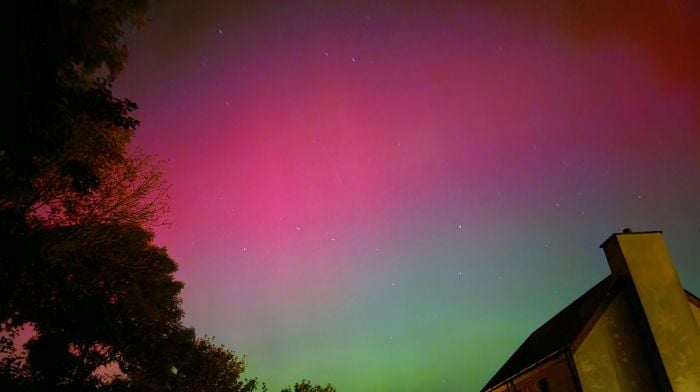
{"x": 390, "y": 196}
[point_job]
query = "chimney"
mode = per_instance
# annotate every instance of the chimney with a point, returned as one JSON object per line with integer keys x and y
{"x": 664, "y": 312}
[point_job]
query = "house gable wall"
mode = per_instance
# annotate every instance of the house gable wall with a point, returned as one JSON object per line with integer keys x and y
{"x": 611, "y": 358}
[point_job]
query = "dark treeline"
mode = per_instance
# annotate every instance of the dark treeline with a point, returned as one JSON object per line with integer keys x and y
{"x": 79, "y": 273}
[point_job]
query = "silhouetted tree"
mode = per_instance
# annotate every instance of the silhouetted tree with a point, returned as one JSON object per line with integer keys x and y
{"x": 306, "y": 386}
{"x": 211, "y": 367}
{"x": 105, "y": 298}
{"x": 78, "y": 268}
{"x": 63, "y": 158}
{"x": 60, "y": 115}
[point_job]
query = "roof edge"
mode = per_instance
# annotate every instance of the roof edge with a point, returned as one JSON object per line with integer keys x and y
{"x": 544, "y": 359}
{"x": 692, "y": 298}
{"x": 610, "y": 285}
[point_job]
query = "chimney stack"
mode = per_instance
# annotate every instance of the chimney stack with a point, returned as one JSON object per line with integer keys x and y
{"x": 643, "y": 260}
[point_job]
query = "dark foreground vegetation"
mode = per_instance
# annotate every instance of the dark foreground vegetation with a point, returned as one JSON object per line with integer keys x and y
{"x": 80, "y": 277}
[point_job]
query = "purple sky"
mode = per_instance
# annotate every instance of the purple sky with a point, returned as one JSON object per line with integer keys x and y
{"x": 393, "y": 195}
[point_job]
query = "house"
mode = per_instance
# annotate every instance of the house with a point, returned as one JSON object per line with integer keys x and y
{"x": 636, "y": 330}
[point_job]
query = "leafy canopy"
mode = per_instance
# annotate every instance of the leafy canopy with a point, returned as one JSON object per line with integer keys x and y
{"x": 81, "y": 280}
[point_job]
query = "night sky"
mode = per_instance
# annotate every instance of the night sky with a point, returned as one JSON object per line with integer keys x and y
{"x": 390, "y": 196}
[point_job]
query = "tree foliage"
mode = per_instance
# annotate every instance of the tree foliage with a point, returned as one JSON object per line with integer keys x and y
{"x": 306, "y": 386}
{"x": 61, "y": 116}
{"x": 210, "y": 367}
{"x": 80, "y": 277}
{"x": 96, "y": 297}
{"x": 80, "y": 273}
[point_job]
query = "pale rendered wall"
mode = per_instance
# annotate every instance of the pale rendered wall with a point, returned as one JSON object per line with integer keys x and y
{"x": 611, "y": 358}
{"x": 674, "y": 329}
{"x": 696, "y": 313}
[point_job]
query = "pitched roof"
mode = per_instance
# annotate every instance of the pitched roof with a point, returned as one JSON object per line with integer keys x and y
{"x": 560, "y": 331}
